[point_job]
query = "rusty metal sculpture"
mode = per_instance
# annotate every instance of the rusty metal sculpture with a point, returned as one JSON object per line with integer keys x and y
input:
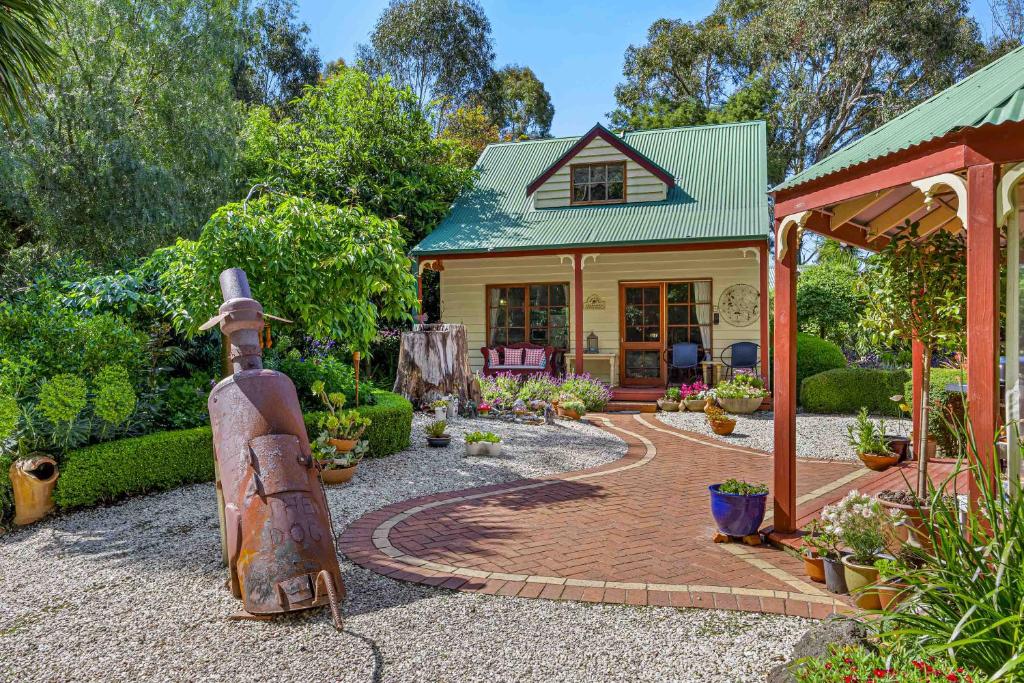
{"x": 276, "y": 530}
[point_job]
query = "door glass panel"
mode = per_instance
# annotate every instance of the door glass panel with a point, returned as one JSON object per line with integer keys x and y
{"x": 634, "y": 334}
{"x": 643, "y": 364}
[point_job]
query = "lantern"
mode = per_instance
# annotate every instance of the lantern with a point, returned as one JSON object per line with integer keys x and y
{"x": 592, "y": 346}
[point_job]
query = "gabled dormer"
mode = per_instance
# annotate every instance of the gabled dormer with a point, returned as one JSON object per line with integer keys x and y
{"x": 600, "y": 169}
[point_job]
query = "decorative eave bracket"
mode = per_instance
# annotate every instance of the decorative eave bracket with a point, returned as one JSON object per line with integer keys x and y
{"x": 1005, "y": 202}
{"x": 794, "y": 220}
{"x": 930, "y": 188}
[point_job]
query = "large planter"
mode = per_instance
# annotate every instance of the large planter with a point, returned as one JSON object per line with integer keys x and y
{"x": 475, "y": 449}
{"x": 482, "y": 448}
{"x": 723, "y": 427}
{"x": 695, "y": 405}
{"x": 667, "y": 405}
{"x": 915, "y": 531}
{"x": 878, "y": 462}
{"x": 860, "y": 580}
{"x": 835, "y": 576}
{"x": 492, "y": 449}
{"x": 338, "y": 475}
{"x": 814, "y": 567}
{"x": 737, "y": 515}
{"x": 740, "y": 406}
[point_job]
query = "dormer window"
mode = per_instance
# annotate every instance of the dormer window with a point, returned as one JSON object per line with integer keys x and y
{"x": 598, "y": 183}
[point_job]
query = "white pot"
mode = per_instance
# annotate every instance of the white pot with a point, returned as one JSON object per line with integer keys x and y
{"x": 440, "y": 413}
{"x": 475, "y": 448}
{"x": 492, "y": 449}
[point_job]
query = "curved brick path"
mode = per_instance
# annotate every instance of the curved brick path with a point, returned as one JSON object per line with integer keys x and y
{"x": 635, "y": 531}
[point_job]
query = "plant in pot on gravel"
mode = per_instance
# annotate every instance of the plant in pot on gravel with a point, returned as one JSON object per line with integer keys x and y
{"x": 336, "y": 467}
{"x": 670, "y": 401}
{"x": 571, "y": 407}
{"x": 436, "y": 435}
{"x": 440, "y": 408}
{"x": 870, "y": 443}
{"x": 693, "y": 396}
{"x": 743, "y": 394}
{"x": 483, "y": 443}
{"x": 861, "y": 523}
{"x": 720, "y": 423}
{"x": 343, "y": 428}
{"x": 738, "y": 508}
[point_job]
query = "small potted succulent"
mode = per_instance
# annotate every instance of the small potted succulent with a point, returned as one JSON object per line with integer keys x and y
{"x": 891, "y": 587}
{"x": 342, "y": 427}
{"x": 720, "y": 423}
{"x": 440, "y": 407}
{"x": 694, "y": 396}
{"x": 483, "y": 443}
{"x": 870, "y": 443}
{"x": 336, "y": 467}
{"x": 436, "y": 435}
{"x": 571, "y": 407}
{"x": 743, "y": 394}
{"x": 738, "y": 507}
{"x": 670, "y": 401}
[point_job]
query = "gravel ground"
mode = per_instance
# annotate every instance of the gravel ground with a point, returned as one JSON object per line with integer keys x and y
{"x": 817, "y": 436}
{"x": 135, "y": 592}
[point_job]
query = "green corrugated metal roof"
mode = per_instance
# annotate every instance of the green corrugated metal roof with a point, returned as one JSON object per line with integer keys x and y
{"x": 993, "y": 94}
{"x": 721, "y": 174}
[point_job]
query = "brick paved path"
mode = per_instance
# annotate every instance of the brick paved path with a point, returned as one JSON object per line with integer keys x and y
{"x": 635, "y": 531}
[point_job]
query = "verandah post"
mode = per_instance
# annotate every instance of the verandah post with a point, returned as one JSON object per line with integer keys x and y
{"x": 763, "y": 307}
{"x": 577, "y": 305}
{"x": 784, "y": 489}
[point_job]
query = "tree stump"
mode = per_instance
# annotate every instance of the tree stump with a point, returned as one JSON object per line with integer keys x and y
{"x": 434, "y": 362}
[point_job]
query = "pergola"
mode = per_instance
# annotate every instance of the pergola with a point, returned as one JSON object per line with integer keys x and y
{"x": 952, "y": 163}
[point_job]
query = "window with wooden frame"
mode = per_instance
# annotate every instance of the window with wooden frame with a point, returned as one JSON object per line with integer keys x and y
{"x": 534, "y": 313}
{"x": 603, "y": 183}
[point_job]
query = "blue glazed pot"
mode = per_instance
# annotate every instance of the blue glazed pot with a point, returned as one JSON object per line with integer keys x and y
{"x": 737, "y": 515}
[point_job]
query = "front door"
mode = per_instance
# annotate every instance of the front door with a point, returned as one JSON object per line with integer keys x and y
{"x": 641, "y": 345}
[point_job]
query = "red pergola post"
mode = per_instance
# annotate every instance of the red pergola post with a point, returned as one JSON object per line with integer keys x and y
{"x": 577, "y": 287}
{"x": 917, "y": 376}
{"x": 982, "y": 317}
{"x": 763, "y": 307}
{"x": 784, "y": 489}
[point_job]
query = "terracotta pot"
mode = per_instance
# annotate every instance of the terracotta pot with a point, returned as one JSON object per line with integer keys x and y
{"x": 814, "y": 567}
{"x": 899, "y": 445}
{"x": 695, "y": 405}
{"x": 32, "y": 481}
{"x": 891, "y": 594}
{"x": 930, "y": 448}
{"x": 860, "y": 580}
{"x": 343, "y": 445}
{"x": 723, "y": 427}
{"x": 878, "y": 463}
{"x": 915, "y": 531}
{"x": 835, "y": 576}
{"x": 339, "y": 475}
{"x": 740, "y": 406}
{"x": 667, "y": 405}
{"x": 569, "y": 414}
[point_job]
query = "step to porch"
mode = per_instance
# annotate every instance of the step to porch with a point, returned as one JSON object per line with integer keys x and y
{"x": 631, "y": 407}
{"x": 641, "y": 394}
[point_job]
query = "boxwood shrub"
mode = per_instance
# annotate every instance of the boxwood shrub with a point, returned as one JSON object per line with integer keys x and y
{"x": 391, "y": 424}
{"x": 814, "y": 355}
{"x": 845, "y": 390}
{"x": 114, "y": 469}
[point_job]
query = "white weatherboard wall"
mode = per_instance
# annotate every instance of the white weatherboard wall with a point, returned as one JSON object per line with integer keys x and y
{"x": 641, "y": 184}
{"x": 464, "y": 283}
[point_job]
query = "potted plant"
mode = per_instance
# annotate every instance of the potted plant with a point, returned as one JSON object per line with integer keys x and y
{"x": 436, "y": 435}
{"x": 860, "y": 521}
{"x": 336, "y": 467}
{"x": 571, "y": 407}
{"x": 721, "y": 423}
{"x": 694, "y": 396}
{"x": 891, "y": 585}
{"x": 914, "y": 513}
{"x": 825, "y": 544}
{"x": 670, "y": 401}
{"x": 869, "y": 441}
{"x": 483, "y": 443}
{"x": 343, "y": 427}
{"x": 813, "y": 553}
{"x": 440, "y": 407}
{"x": 899, "y": 443}
{"x": 742, "y": 395}
{"x": 738, "y": 507}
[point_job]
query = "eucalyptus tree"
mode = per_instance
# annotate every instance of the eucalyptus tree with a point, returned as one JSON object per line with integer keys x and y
{"x": 518, "y": 103}
{"x": 279, "y": 60}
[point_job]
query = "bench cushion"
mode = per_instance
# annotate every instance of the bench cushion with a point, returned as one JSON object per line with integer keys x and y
{"x": 534, "y": 357}
{"x": 517, "y": 367}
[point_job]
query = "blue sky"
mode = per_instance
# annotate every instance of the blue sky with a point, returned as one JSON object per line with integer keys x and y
{"x": 575, "y": 48}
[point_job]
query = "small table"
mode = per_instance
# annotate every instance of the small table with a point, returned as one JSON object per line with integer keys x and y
{"x": 711, "y": 371}
{"x": 611, "y": 358}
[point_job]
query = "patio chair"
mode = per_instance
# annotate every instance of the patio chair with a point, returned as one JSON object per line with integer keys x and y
{"x": 683, "y": 357}
{"x": 741, "y": 356}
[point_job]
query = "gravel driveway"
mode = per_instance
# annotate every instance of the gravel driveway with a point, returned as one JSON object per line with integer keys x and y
{"x": 817, "y": 436}
{"x": 135, "y": 592}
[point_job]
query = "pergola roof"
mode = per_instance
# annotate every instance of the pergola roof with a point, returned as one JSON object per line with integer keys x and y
{"x": 992, "y": 95}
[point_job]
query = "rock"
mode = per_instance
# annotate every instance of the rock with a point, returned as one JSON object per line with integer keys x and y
{"x": 815, "y": 643}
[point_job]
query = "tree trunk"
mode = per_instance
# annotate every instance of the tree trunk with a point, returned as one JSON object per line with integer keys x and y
{"x": 922, "y": 431}
{"x": 433, "y": 362}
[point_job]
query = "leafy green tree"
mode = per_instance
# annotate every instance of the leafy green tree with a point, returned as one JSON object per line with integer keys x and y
{"x": 134, "y": 143}
{"x": 828, "y": 301}
{"x": 356, "y": 141}
{"x": 279, "y": 60}
{"x": 473, "y": 129}
{"x": 518, "y": 103}
{"x": 335, "y": 271}
{"x": 915, "y": 292}
{"x": 26, "y": 56}
{"x": 440, "y": 48}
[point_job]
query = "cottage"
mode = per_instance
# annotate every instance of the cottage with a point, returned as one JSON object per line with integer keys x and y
{"x": 640, "y": 258}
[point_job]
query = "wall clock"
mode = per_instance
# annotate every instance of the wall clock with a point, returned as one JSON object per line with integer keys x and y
{"x": 739, "y": 305}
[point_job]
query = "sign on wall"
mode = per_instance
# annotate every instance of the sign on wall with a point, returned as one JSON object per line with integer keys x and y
{"x": 594, "y": 302}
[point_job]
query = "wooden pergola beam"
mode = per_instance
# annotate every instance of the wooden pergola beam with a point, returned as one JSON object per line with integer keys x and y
{"x": 847, "y": 211}
{"x": 894, "y": 215}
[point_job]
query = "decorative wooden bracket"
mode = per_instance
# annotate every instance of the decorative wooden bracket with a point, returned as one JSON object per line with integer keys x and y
{"x": 435, "y": 265}
{"x": 930, "y": 187}
{"x": 794, "y": 220}
{"x": 1005, "y": 204}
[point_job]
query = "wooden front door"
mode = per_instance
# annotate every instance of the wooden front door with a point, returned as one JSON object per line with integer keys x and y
{"x": 641, "y": 325}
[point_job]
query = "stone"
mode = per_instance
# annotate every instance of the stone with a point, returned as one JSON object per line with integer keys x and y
{"x": 835, "y": 630}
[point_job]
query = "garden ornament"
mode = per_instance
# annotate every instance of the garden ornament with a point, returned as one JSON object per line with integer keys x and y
{"x": 276, "y": 531}
{"x": 32, "y": 482}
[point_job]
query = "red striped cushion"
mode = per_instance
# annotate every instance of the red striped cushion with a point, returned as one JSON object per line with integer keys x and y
{"x": 493, "y": 358}
{"x": 513, "y": 356}
{"x": 533, "y": 357}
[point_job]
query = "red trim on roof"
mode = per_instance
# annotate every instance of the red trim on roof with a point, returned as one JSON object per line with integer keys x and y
{"x": 599, "y": 131}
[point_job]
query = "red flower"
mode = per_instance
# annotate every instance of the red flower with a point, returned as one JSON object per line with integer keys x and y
{"x": 952, "y": 677}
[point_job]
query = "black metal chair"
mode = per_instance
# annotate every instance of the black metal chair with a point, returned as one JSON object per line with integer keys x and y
{"x": 682, "y": 357}
{"x": 742, "y": 356}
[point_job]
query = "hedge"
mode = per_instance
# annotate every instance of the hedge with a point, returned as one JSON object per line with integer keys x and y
{"x": 390, "y": 427}
{"x": 114, "y": 469}
{"x": 938, "y": 428}
{"x": 814, "y": 355}
{"x": 845, "y": 390}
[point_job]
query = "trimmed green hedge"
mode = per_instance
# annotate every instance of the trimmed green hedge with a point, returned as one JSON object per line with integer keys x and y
{"x": 390, "y": 430}
{"x": 814, "y": 355}
{"x": 114, "y": 469}
{"x": 845, "y": 390}
{"x": 937, "y": 395}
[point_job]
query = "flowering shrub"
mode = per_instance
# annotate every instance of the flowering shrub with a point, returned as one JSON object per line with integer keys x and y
{"x": 500, "y": 391}
{"x": 693, "y": 392}
{"x": 861, "y": 522}
{"x": 859, "y": 665}
{"x": 538, "y": 388}
{"x": 504, "y": 389}
{"x": 741, "y": 386}
{"x": 594, "y": 393}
